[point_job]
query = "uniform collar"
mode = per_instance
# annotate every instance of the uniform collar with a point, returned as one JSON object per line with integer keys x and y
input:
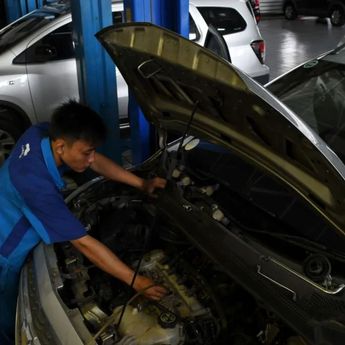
{"x": 50, "y": 162}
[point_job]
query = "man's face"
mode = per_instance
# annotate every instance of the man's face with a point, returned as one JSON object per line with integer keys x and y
{"x": 78, "y": 155}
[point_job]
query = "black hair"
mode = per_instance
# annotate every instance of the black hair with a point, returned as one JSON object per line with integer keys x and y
{"x": 75, "y": 121}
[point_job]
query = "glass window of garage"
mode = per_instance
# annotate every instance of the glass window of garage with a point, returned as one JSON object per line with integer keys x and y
{"x": 225, "y": 20}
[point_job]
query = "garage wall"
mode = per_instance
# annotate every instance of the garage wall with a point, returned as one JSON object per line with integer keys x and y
{"x": 271, "y": 6}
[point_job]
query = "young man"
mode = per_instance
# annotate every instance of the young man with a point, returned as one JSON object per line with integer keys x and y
{"x": 32, "y": 208}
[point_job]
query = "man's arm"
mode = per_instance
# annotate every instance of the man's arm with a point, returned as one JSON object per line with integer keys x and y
{"x": 106, "y": 260}
{"x": 107, "y": 168}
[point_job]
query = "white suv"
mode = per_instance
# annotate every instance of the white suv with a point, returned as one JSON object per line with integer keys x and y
{"x": 38, "y": 67}
{"x": 235, "y": 20}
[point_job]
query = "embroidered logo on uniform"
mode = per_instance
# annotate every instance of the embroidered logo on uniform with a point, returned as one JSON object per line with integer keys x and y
{"x": 25, "y": 150}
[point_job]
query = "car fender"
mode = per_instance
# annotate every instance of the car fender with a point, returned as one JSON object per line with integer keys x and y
{"x": 15, "y": 94}
{"x": 23, "y": 117}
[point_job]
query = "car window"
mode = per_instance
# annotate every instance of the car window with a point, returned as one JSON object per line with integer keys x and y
{"x": 315, "y": 92}
{"x": 24, "y": 27}
{"x": 225, "y": 20}
{"x": 58, "y": 45}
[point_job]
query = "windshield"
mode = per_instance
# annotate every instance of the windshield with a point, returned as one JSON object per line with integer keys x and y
{"x": 316, "y": 92}
{"x": 25, "y": 26}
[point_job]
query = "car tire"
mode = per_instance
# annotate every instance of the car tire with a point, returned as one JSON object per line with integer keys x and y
{"x": 290, "y": 12}
{"x": 337, "y": 16}
{"x": 10, "y": 131}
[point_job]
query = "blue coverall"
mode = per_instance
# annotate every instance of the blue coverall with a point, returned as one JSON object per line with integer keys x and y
{"x": 31, "y": 209}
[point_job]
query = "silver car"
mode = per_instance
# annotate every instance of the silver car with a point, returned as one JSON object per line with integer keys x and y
{"x": 38, "y": 70}
{"x": 248, "y": 237}
{"x": 38, "y": 67}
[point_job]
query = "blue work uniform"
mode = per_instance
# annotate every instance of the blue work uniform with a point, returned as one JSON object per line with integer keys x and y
{"x": 32, "y": 209}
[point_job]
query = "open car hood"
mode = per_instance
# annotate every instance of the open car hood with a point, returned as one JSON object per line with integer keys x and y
{"x": 172, "y": 76}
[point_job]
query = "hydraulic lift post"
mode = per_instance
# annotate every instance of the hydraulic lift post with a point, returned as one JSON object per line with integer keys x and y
{"x": 173, "y": 15}
{"x": 96, "y": 71}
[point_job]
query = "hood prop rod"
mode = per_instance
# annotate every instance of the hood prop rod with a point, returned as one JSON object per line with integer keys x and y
{"x": 175, "y": 155}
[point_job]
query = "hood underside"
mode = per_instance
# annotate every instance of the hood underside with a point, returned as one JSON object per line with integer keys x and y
{"x": 171, "y": 77}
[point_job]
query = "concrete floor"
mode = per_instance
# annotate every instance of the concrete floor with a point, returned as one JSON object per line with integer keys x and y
{"x": 289, "y": 43}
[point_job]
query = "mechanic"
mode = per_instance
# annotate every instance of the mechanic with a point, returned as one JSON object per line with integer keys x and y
{"x": 32, "y": 207}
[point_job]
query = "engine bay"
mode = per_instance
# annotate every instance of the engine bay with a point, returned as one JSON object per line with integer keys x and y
{"x": 181, "y": 241}
{"x": 203, "y": 306}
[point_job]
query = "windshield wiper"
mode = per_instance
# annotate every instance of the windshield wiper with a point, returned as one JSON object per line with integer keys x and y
{"x": 301, "y": 242}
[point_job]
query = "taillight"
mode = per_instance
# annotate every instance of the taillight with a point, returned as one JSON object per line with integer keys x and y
{"x": 257, "y": 10}
{"x": 257, "y": 17}
{"x": 259, "y": 50}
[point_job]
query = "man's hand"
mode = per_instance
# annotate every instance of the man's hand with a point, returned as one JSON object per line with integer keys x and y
{"x": 154, "y": 292}
{"x": 149, "y": 186}
{"x": 109, "y": 169}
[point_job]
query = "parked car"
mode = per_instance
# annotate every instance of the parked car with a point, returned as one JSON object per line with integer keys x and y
{"x": 333, "y": 9}
{"x": 248, "y": 236}
{"x": 38, "y": 67}
{"x": 234, "y": 21}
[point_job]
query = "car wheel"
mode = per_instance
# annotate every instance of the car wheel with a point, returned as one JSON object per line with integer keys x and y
{"x": 337, "y": 16}
{"x": 290, "y": 12}
{"x": 10, "y": 131}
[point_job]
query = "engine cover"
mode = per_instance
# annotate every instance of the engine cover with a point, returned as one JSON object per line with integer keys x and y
{"x": 164, "y": 322}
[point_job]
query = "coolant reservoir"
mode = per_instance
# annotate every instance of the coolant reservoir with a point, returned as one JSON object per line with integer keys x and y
{"x": 146, "y": 328}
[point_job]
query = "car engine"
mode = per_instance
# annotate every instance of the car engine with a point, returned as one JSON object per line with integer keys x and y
{"x": 203, "y": 305}
{"x": 183, "y": 316}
